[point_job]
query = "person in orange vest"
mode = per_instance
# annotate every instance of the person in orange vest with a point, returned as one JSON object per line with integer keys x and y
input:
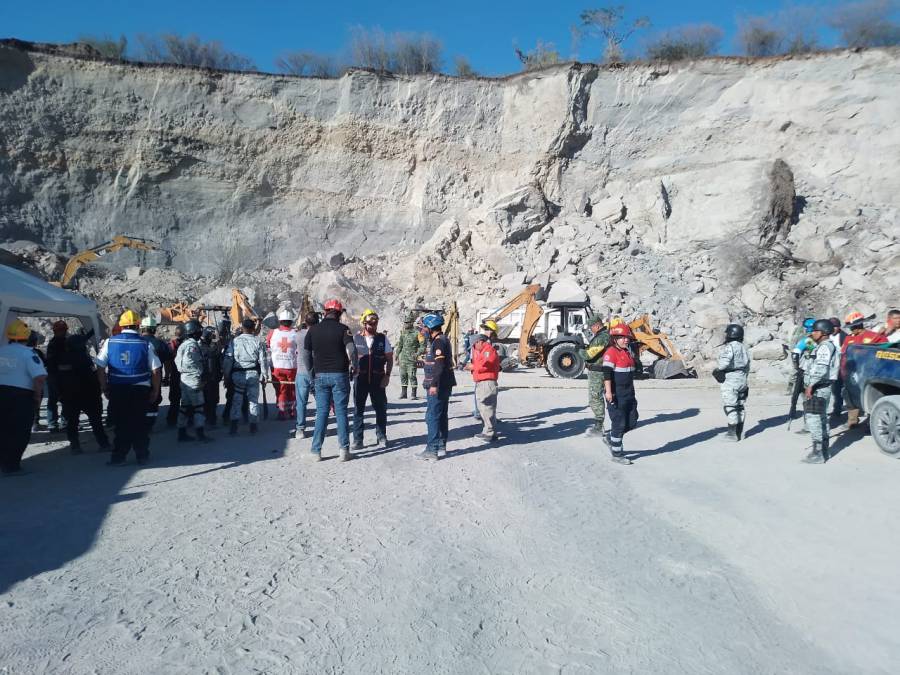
{"x": 284, "y": 348}
{"x": 855, "y": 321}
{"x": 485, "y": 369}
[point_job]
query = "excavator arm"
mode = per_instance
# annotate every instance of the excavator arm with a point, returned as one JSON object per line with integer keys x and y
{"x": 655, "y": 342}
{"x": 533, "y": 313}
{"x": 115, "y": 244}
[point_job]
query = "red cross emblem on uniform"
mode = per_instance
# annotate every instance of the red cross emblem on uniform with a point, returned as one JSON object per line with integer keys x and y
{"x": 284, "y": 344}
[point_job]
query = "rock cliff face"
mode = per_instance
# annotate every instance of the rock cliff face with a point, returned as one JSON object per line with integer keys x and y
{"x": 708, "y": 191}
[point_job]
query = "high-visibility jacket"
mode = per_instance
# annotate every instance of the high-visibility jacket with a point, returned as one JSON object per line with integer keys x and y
{"x": 485, "y": 361}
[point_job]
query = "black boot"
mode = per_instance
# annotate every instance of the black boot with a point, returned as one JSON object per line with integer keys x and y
{"x": 816, "y": 456}
{"x": 201, "y": 435}
{"x": 232, "y": 428}
{"x": 740, "y": 431}
{"x": 731, "y": 434}
{"x": 402, "y": 392}
{"x": 415, "y": 396}
{"x": 183, "y": 435}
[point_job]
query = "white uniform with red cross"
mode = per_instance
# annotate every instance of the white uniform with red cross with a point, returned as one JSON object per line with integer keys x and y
{"x": 284, "y": 350}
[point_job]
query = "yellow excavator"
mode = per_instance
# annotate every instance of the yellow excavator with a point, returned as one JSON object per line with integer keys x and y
{"x": 239, "y": 310}
{"x": 561, "y": 354}
{"x": 115, "y": 244}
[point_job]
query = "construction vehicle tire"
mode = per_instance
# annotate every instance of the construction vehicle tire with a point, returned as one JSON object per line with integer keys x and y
{"x": 563, "y": 360}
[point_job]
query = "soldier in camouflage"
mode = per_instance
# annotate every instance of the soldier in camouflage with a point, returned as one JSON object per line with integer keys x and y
{"x": 191, "y": 365}
{"x": 732, "y": 373}
{"x": 246, "y": 366}
{"x": 407, "y": 351}
{"x": 820, "y": 371}
{"x": 593, "y": 357}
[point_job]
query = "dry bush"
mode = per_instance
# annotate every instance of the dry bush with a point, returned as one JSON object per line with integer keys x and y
{"x": 307, "y": 63}
{"x": 867, "y": 23}
{"x": 463, "y": 67}
{"x": 544, "y": 54}
{"x": 758, "y": 37}
{"x": 106, "y": 45}
{"x": 190, "y": 50}
{"x": 405, "y": 53}
{"x": 685, "y": 42}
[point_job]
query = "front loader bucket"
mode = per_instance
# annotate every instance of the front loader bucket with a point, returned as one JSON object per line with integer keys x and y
{"x": 667, "y": 369}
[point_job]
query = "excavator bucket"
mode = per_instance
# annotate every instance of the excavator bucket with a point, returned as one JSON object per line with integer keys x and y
{"x": 670, "y": 363}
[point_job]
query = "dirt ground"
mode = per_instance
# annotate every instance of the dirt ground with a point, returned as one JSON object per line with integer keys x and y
{"x": 533, "y": 555}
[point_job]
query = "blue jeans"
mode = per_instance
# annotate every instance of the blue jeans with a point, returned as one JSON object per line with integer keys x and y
{"x": 437, "y": 420}
{"x": 303, "y": 384}
{"x": 331, "y": 388}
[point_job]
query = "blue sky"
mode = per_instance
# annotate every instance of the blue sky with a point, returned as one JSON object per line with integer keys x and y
{"x": 485, "y": 31}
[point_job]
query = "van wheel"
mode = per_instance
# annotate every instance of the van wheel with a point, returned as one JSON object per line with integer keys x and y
{"x": 884, "y": 422}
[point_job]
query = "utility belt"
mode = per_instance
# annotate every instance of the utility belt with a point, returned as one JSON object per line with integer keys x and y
{"x": 236, "y": 369}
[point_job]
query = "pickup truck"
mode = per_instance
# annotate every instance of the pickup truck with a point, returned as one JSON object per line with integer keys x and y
{"x": 872, "y": 383}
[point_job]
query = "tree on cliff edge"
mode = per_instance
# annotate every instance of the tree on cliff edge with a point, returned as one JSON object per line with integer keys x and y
{"x": 867, "y": 23}
{"x": 190, "y": 51}
{"x": 608, "y": 24}
{"x": 106, "y": 45}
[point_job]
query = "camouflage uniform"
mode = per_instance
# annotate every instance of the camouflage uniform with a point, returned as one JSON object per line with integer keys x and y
{"x": 191, "y": 364}
{"x": 593, "y": 356}
{"x": 245, "y": 362}
{"x": 407, "y": 350}
{"x": 734, "y": 359}
{"x": 820, "y": 370}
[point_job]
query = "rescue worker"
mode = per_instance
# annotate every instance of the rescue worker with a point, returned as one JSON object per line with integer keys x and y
{"x": 732, "y": 372}
{"x": 76, "y": 381}
{"x": 304, "y": 379}
{"x": 22, "y": 378}
{"x": 891, "y": 330}
{"x": 485, "y": 369}
{"x": 329, "y": 351}
{"x": 246, "y": 368}
{"x": 173, "y": 377}
{"x": 837, "y": 389}
{"x": 212, "y": 357}
{"x": 855, "y": 322}
{"x": 439, "y": 380}
{"x": 148, "y": 332}
{"x": 55, "y": 421}
{"x": 375, "y": 361}
{"x": 593, "y": 357}
{"x": 618, "y": 383}
{"x": 820, "y": 372}
{"x": 191, "y": 365}
{"x": 407, "y": 352}
{"x": 802, "y": 350}
{"x": 129, "y": 375}
{"x": 284, "y": 351}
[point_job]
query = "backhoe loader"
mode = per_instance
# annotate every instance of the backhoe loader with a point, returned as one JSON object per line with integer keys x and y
{"x": 115, "y": 244}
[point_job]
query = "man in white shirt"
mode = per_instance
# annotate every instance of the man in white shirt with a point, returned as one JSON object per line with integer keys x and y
{"x": 284, "y": 350}
{"x": 22, "y": 377}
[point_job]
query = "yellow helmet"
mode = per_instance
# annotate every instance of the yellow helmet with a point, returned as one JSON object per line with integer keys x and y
{"x": 616, "y": 321}
{"x": 490, "y": 324}
{"x": 366, "y": 314}
{"x": 17, "y": 331}
{"x": 129, "y": 318}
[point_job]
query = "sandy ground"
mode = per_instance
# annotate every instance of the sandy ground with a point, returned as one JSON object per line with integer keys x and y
{"x": 535, "y": 555}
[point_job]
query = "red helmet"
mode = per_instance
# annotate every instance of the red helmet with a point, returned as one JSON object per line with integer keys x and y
{"x": 334, "y": 305}
{"x": 621, "y": 330}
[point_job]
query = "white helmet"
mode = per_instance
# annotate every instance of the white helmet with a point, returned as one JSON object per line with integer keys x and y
{"x": 148, "y": 322}
{"x": 285, "y": 315}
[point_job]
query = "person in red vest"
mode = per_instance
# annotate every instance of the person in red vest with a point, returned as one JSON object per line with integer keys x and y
{"x": 485, "y": 369}
{"x": 855, "y": 321}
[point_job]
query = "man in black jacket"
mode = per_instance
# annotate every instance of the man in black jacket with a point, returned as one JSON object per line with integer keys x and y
{"x": 329, "y": 353}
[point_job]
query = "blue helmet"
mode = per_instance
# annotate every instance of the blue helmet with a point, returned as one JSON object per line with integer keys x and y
{"x": 432, "y": 321}
{"x": 808, "y": 324}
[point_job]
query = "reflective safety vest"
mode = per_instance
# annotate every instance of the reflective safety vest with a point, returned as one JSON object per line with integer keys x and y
{"x": 371, "y": 361}
{"x": 128, "y": 359}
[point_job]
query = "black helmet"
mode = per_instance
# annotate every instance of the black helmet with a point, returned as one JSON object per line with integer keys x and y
{"x": 823, "y": 326}
{"x": 193, "y": 328}
{"x": 734, "y": 332}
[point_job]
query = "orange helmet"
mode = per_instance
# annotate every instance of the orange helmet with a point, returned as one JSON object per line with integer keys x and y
{"x": 621, "y": 330}
{"x": 334, "y": 305}
{"x": 854, "y": 318}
